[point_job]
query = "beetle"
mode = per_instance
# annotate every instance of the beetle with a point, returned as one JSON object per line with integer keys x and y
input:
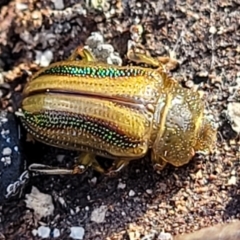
{"x": 117, "y": 112}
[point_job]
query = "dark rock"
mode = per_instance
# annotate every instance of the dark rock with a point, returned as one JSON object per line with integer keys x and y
{"x": 12, "y": 165}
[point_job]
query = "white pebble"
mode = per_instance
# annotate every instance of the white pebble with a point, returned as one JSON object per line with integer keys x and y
{"x": 44, "y": 232}
{"x": 62, "y": 201}
{"x": 131, "y": 193}
{"x": 98, "y": 214}
{"x": 123, "y": 214}
{"x": 58, "y": 4}
{"x": 233, "y": 115}
{"x": 21, "y": 6}
{"x": 94, "y": 180}
{"x": 232, "y": 180}
{"x": 164, "y": 236}
{"x": 16, "y": 148}
{"x": 102, "y": 51}
{"x": 72, "y": 212}
{"x": 56, "y": 233}
{"x": 94, "y": 40}
{"x": 43, "y": 58}
{"x": 7, "y": 160}
{"x": 41, "y": 203}
{"x": 212, "y": 29}
{"x": 77, "y": 209}
{"x": 77, "y": 233}
{"x": 121, "y": 185}
{"x": 6, "y": 151}
{"x": 114, "y": 59}
{"x": 34, "y": 232}
{"x": 149, "y": 191}
{"x": 4, "y": 120}
{"x": 105, "y": 47}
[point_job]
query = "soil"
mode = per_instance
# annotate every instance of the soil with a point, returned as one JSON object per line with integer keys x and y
{"x": 139, "y": 202}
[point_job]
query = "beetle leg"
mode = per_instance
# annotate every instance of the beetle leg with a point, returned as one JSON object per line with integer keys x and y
{"x": 86, "y": 160}
{"x": 158, "y": 163}
{"x": 142, "y": 58}
{"x": 117, "y": 166}
{"x": 48, "y": 170}
{"x": 162, "y": 63}
{"x": 83, "y": 53}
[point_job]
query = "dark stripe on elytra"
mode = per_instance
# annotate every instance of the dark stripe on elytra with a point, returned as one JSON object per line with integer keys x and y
{"x": 129, "y": 102}
{"x": 62, "y": 120}
{"x": 94, "y": 72}
{"x": 65, "y": 144}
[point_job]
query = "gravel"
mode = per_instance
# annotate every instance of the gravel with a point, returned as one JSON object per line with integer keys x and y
{"x": 204, "y": 38}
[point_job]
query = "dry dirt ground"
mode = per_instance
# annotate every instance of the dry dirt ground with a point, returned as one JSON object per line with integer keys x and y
{"x": 138, "y": 203}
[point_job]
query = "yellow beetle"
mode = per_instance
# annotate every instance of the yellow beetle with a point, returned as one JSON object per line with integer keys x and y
{"x": 116, "y": 112}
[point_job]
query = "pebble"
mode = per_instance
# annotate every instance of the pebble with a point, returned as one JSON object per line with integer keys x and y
{"x": 56, "y": 233}
{"x": 114, "y": 59}
{"x": 203, "y": 74}
{"x": 34, "y": 232}
{"x": 77, "y": 233}
{"x": 165, "y": 236}
{"x": 131, "y": 193}
{"x": 44, "y": 232}
{"x": 58, "y": 4}
{"x": 6, "y": 160}
{"x": 21, "y": 6}
{"x": 7, "y": 151}
{"x": 149, "y": 191}
{"x": 150, "y": 236}
{"x": 3, "y": 119}
{"x": 94, "y": 40}
{"x": 41, "y": 203}
{"x": 98, "y": 214}
{"x": 60, "y": 157}
{"x": 77, "y": 209}
{"x": 94, "y": 180}
{"x": 233, "y": 115}
{"x": 103, "y": 50}
{"x": 121, "y": 185}
{"x": 43, "y": 58}
{"x": 62, "y": 201}
{"x": 212, "y": 29}
{"x": 189, "y": 84}
{"x": 232, "y": 180}
{"x": 72, "y": 212}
